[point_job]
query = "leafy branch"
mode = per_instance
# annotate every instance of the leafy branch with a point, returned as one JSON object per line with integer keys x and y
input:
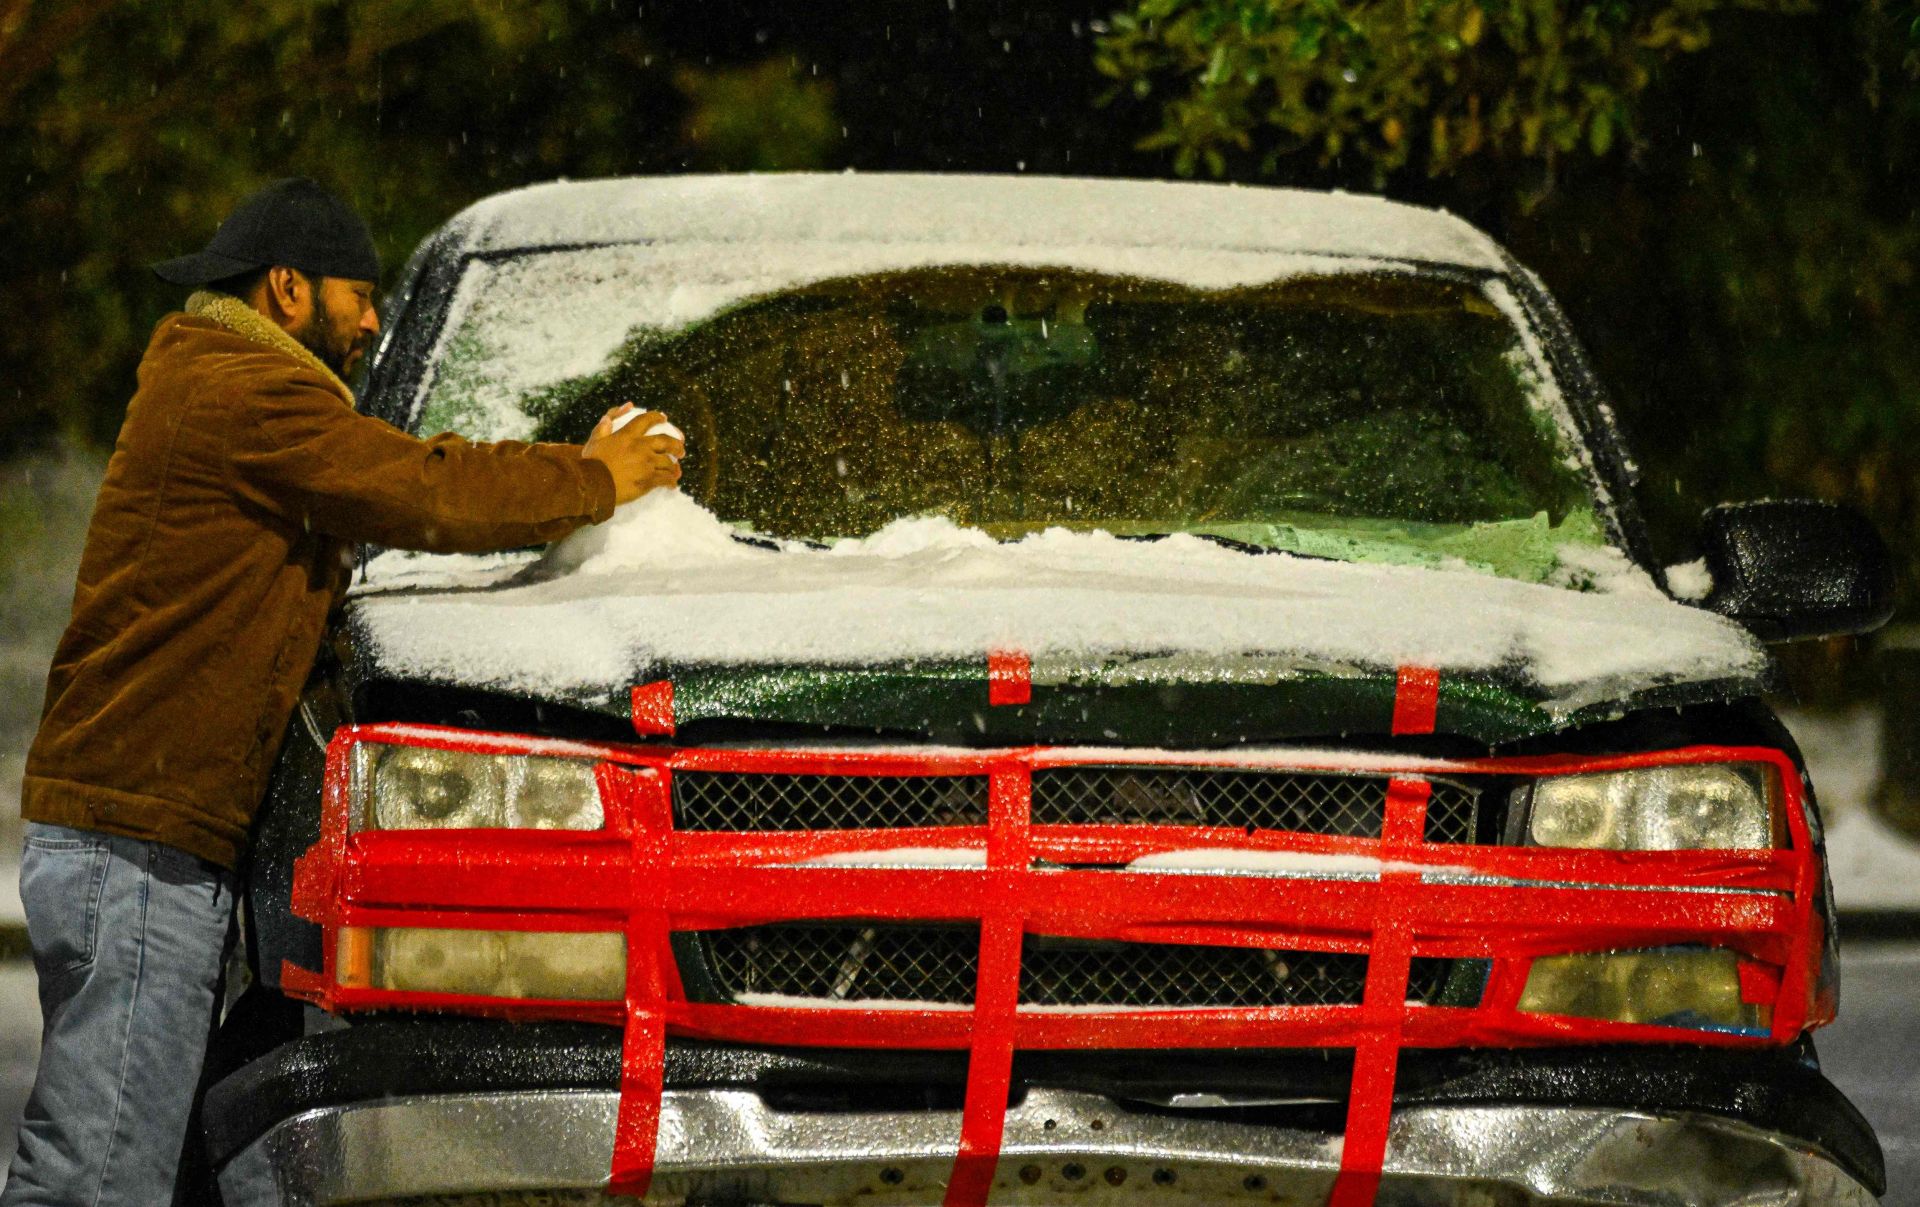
{"x": 1398, "y": 83}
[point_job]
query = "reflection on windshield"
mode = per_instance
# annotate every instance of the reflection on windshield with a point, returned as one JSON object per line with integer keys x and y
{"x": 1375, "y": 417}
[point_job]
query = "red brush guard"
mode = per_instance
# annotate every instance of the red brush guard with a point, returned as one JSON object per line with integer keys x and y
{"x": 643, "y": 877}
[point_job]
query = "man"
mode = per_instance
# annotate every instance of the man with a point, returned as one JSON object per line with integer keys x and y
{"x": 221, "y": 538}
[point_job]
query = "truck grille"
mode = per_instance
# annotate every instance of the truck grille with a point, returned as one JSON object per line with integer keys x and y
{"x": 1302, "y": 802}
{"x": 844, "y": 963}
{"x": 1296, "y": 801}
{"x": 936, "y": 964}
{"x": 728, "y": 800}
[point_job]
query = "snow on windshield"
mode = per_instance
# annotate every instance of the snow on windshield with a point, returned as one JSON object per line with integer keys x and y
{"x": 1336, "y": 408}
{"x": 523, "y": 324}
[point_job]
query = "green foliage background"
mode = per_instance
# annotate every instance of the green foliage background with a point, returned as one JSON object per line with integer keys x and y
{"x": 129, "y": 128}
{"x": 1396, "y": 82}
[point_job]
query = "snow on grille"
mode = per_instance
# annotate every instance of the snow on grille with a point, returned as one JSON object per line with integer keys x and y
{"x": 725, "y": 800}
{"x": 936, "y": 965}
{"x": 1310, "y": 803}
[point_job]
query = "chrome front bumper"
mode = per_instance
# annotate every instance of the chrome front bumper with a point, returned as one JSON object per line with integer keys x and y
{"x": 728, "y": 1146}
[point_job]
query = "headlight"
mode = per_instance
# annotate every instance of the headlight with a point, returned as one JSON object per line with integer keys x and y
{"x": 589, "y": 966}
{"x": 1700, "y": 806}
{"x": 418, "y": 788}
{"x": 1670, "y": 986}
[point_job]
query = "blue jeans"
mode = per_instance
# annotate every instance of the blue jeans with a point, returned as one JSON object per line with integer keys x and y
{"x": 128, "y": 941}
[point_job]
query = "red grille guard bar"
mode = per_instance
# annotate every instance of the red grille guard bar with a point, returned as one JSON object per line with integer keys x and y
{"x": 641, "y": 876}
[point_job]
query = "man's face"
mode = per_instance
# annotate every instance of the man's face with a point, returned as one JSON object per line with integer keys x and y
{"x": 342, "y": 324}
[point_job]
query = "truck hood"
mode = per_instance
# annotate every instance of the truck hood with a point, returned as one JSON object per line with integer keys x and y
{"x": 1177, "y": 641}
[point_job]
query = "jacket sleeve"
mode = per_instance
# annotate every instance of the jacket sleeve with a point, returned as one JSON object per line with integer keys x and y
{"x": 301, "y": 451}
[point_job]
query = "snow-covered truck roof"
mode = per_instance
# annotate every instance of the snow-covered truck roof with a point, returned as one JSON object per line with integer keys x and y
{"x": 1003, "y": 211}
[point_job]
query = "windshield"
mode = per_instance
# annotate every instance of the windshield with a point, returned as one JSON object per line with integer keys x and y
{"x": 1380, "y": 415}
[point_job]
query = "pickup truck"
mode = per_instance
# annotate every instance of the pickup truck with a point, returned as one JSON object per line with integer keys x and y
{"x": 1147, "y": 692}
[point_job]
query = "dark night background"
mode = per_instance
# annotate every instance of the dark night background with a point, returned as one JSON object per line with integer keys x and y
{"x": 1720, "y": 192}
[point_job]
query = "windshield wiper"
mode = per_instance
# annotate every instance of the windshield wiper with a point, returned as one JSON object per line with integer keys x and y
{"x": 773, "y": 546}
{"x": 1227, "y": 542}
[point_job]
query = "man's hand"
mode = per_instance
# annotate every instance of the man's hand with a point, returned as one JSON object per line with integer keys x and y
{"x": 639, "y": 462}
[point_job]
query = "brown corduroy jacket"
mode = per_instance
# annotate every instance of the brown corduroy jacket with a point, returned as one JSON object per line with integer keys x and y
{"x": 221, "y": 539}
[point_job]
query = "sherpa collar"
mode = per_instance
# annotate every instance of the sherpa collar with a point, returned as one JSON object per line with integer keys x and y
{"x": 241, "y": 319}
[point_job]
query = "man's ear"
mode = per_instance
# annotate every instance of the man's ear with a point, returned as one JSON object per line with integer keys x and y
{"x": 288, "y": 292}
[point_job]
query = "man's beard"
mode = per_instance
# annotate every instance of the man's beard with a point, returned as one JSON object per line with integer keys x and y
{"x": 317, "y": 337}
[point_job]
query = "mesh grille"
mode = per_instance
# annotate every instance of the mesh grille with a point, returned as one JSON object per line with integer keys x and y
{"x": 846, "y": 963}
{"x": 726, "y": 800}
{"x": 1064, "y": 972}
{"x": 1301, "y": 802}
{"x": 1448, "y": 982}
{"x": 936, "y": 964}
{"x": 1452, "y": 813}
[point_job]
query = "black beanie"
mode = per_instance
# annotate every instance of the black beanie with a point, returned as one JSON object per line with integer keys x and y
{"x": 293, "y": 222}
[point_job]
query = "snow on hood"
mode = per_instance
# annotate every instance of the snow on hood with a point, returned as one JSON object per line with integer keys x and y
{"x": 665, "y": 584}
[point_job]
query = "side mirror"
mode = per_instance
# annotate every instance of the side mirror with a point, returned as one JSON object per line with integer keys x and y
{"x": 1794, "y": 568}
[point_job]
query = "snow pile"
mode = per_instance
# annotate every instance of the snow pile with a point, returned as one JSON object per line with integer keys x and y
{"x": 1690, "y": 580}
{"x": 661, "y": 530}
{"x": 662, "y": 428}
{"x": 666, "y": 584}
{"x": 916, "y": 535}
{"x": 1873, "y": 866}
